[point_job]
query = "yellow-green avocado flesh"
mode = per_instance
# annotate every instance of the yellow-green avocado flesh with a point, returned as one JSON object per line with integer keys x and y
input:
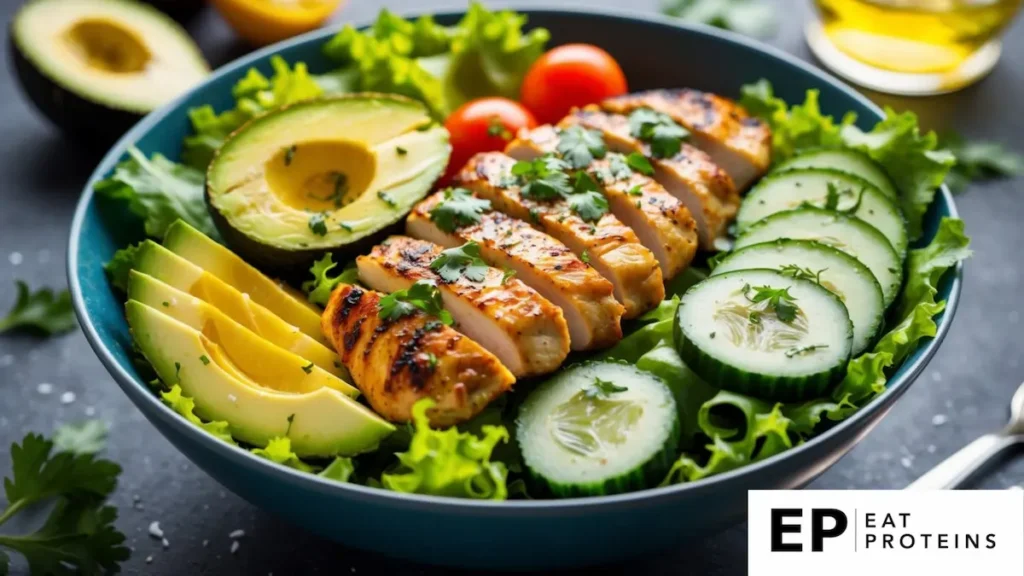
{"x": 323, "y": 175}
{"x": 320, "y": 423}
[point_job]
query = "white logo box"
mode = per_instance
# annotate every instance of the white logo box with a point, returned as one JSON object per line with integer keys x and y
{"x": 905, "y": 533}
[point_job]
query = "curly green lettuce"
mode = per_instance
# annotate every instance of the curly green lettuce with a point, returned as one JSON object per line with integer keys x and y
{"x": 449, "y": 462}
{"x": 254, "y": 94}
{"x": 185, "y": 407}
{"x": 913, "y": 160}
{"x": 318, "y": 290}
{"x": 485, "y": 54}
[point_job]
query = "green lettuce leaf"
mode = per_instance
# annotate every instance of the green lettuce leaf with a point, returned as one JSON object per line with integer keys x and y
{"x": 339, "y": 470}
{"x": 689, "y": 390}
{"x": 742, "y": 430}
{"x": 186, "y": 406}
{"x": 910, "y": 158}
{"x": 120, "y": 265}
{"x": 254, "y": 94}
{"x": 279, "y": 450}
{"x": 795, "y": 128}
{"x": 320, "y": 287}
{"x": 160, "y": 192}
{"x": 449, "y": 462}
{"x": 485, "y": 54}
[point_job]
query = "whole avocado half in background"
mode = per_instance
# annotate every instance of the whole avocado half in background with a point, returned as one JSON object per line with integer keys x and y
{"x": 95, "y": 67}
{"x": 326, "y": 175}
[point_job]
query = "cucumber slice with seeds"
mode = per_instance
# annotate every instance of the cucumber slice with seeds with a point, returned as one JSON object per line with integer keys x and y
{"x": 818, "y": 187}
{"x": 598, "y": 428}
{"x": 760, "y": 333}
{"x": 846, "y": 160}
{"x": 851, "y": 235}
{"x": 840, "y": 273}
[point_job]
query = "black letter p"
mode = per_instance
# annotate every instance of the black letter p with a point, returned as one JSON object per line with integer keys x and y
{"x": 818, "y": 532}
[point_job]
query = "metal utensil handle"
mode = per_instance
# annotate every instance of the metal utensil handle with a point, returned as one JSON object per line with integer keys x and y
{"x": 955, "y": 470}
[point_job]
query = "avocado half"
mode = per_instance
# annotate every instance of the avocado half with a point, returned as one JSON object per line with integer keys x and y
{"x": 95, "y": 67}
{"x": 328, "y": 175}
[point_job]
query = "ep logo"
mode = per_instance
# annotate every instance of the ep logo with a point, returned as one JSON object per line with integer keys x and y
{"x": 821, "y": 523}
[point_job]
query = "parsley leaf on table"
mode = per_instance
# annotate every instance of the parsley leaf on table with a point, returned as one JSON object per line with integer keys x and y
{"x": 423, "y": 296}
{"x": 88, "y": 437}
{"x": 78, "y": 536}
{"x": 750, "y": 17}
{"x": 659, "y": 130}
{"x": 42, "y": 312}
{"x": 580, "y": 146}
{"x": 453, "y": 263}
{"x": 979, "y": 160}
{"x": 459, "y": 208}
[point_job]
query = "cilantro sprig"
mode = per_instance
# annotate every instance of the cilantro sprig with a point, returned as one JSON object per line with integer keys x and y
{"x": 78, "y": 536}
{"x": 43, "y": 312}
{"x": 547, "y": 178}
{"x": 580, "y": 146}
{"x": 458, "y": 208}
{"x": 663, "y": 134}
{"x": 778, "y": 300}
{"x": 461, "y": 261}
{"x": 423, "y": 296}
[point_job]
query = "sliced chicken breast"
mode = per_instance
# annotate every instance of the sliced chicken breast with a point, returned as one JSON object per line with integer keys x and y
{"x": 736, "y": 141}
{"x": 607, "y": 244}
{"x": 508, "y": 318}
{"x": 704, "y": 188}
{"x": 661, "y": 222}
{"x": 395, "y": 363}
{"x": 586, "y": 298}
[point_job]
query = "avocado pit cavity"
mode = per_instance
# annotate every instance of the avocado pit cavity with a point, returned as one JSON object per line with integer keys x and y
{"x": 107, "y": 46}
{"x": 321, "y": 175}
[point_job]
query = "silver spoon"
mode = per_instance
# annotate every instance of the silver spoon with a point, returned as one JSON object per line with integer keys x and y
{"x": 958, "y": 468}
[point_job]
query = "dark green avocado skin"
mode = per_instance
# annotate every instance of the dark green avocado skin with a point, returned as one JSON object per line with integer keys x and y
{"x": 83, "y": 120}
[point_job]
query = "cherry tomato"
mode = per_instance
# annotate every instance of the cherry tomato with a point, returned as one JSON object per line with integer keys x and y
{"x": 483, "y": 125}
{"x": 570, "y": 76}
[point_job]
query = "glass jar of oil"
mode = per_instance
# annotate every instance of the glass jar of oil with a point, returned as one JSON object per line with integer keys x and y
{"x": 910, "y": 46}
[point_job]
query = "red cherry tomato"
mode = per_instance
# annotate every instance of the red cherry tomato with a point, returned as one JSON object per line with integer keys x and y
{"x": 570, "y": 76}
{"x": 483, "y": 125}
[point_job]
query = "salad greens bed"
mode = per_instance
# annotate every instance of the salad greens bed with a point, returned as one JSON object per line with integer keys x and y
{"x": 488, "y": 53}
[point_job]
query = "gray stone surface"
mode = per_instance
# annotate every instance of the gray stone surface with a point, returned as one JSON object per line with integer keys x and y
{"x": 969, "y": 382}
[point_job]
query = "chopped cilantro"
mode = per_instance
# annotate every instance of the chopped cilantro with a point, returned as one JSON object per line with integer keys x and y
{"x": 289, "y": 155}
{"x": 205, "y": 360}
{"x": 637, "y": 190}
{"x": 459, "y": 208}
{"x": 602, "y": 389}
{"x": 794, "y": 271}
{"x": 308, "y": 368}
{"x": 590, "y": 206}
{"x": 345, "y": 226}
{"x": 640, "y": 163}
{"x": 453, "y": 263}
{"x": 801, "y": 350}
{"x": 659, "y": 130}
{"x": 585, "y": 257}
{"x": 401, "y": 151}
{"x": 431, "y": 360}
{"x": 579, "y": 146}
{"x": 318, "y": 224}
{"x": 778, "y": 299}
{"x": 507, "y": 275}
{"x": 423, "y": 295}
{"x": 543, "y": 178}
{"x": 387, "y": 199}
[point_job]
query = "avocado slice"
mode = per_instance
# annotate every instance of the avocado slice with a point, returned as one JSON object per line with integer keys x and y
{"x": 178, "y": 276}
{"x": 323, "y": 175}
{"x": 95, "y": 67}
{"x": 252, "y": 355}
{"x": 201, "y": 250}
{"x": 323, "y": 422}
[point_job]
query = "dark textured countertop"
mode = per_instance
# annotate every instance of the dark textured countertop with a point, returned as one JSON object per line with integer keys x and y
{"x": 962, "y": 394}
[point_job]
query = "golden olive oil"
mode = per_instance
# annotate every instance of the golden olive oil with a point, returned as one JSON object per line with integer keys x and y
{"x": 914, "y": 36}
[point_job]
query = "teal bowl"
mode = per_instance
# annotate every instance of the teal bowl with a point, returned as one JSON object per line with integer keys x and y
{"x": 540, "y": 534}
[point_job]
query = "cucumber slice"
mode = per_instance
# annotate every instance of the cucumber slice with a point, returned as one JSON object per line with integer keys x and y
{"x": 792, "y": 189}
{"x": 851, "y": 235}
{"x": 837, "y": 271}
{"x": 846, "y": 160}
{"x": 734, "y": 339}
{"x": 598, "y": 428}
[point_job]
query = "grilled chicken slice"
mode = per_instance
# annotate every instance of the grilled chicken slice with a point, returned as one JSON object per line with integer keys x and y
{"x": 610, "y": 246}
{"x": 508, "y": 318}
{"x": 704, "y": 188}
{"x": 736, "y": 141}
{"x": 661, "y": 222}
{"x": 543, "y": 263}
{"x": 397, "y": 362}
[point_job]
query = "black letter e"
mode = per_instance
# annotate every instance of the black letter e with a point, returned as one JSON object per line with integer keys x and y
{"x": 779, "y": 528}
